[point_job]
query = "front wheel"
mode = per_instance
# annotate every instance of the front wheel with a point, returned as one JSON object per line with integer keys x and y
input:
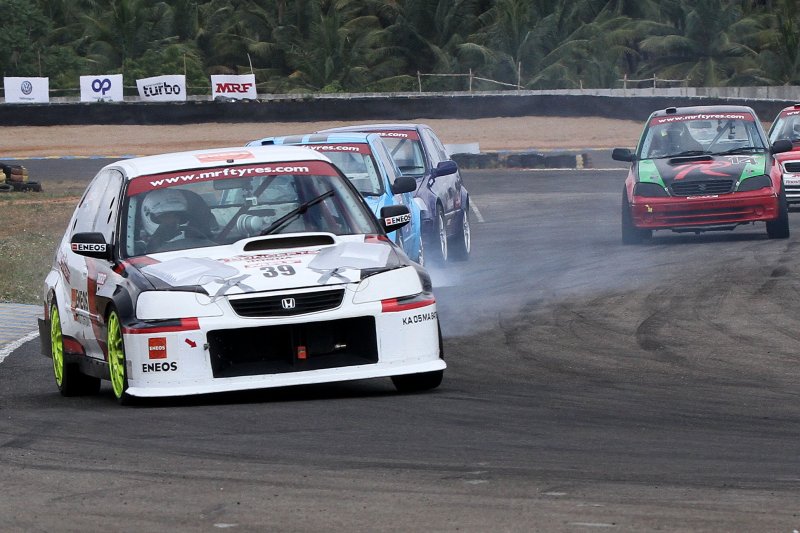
{"x": 630, "y": 233}
{"x": 69, "y": 379}
{"x": 424, "y": 380}
{"x": 116, "y": 359}
{"x": 418, "y": 382}
{"x": 779, "y": 228}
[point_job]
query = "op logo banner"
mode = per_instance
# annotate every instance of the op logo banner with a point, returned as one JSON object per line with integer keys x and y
{"x": 27, "y": 90}
{"x": 162, "y": 88}
{"x": 106, "y": 88}
{"x": 234, "y": 87}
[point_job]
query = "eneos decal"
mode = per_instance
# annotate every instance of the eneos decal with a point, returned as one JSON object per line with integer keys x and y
{"x": 399, "y": 219}
{"x": 157, "y": 347}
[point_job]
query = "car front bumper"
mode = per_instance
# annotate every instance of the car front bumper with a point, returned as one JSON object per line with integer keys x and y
{"x": 223, "y": 354}
{"x": 705, "y": 211}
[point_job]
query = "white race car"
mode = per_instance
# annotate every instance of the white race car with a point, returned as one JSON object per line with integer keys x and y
{"x": 233, "y": 269}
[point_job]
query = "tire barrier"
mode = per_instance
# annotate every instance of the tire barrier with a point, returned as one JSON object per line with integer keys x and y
{"x": 523, "y": 160}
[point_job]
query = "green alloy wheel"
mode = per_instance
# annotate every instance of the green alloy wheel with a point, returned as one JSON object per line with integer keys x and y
{"x": 69, "y": 379}
{"x": 116, "y": 359}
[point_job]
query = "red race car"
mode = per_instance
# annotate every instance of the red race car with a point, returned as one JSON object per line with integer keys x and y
{"x": 786, "y": 127}
{"x": 699, "y": 169}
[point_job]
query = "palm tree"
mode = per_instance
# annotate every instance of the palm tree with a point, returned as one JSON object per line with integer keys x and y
{"x": 122, "y": 30}
{"x": 780, "y": 43}
{"x": 704, "y": 45}
{"x": 345, "y": 50}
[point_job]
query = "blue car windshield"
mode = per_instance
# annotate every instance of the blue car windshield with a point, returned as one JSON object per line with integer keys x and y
{"x": 407, "y": 154}
{"x": 359, "y": 167}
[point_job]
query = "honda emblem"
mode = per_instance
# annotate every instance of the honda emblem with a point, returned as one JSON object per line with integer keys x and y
{"x": 288, "y": 303}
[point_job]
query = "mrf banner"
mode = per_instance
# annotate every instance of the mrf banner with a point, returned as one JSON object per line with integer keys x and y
{"x": 235, "y": 87}
{"x": 162, "y": 88}
{"x": 27, "y": 90}
{"x": 101, "y": 88}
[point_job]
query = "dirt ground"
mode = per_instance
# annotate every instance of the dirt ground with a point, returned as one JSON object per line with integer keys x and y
{"x": 492, "y": 134}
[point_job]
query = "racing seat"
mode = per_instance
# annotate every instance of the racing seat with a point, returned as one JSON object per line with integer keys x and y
{"x": 200, "y": 215}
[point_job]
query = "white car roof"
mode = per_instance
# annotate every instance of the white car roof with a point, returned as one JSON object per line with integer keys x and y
{"x": 214, "y": 157}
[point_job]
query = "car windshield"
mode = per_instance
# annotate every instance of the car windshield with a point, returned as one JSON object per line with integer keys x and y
{"x": 406, "y": 150}
{"x": 697, "y": 134}
{"x": 787, "y": 127}
{"x": 213, "y": 206}
{"x": 357, "y": 163}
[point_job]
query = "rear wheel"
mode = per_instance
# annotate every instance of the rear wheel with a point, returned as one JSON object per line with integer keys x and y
{"x": 69, "y": 379}
{"x": 462, "y": 242}
{"x": 630, "y": 233}
{"x": 116, "y": 359}
{"x": 779, "y": 228}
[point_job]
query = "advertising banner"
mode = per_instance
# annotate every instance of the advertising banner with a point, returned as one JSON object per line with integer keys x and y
{"x": 27, "y": 90}
{"x": 106, "y": 88}
{"x": 234, "y": 87}
{"x": 162, "y": 88}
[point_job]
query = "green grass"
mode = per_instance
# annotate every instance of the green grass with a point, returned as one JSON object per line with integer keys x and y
{"x": 31, "y": 226}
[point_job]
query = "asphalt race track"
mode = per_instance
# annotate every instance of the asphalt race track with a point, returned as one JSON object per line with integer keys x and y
{"x": 591, "y": 386}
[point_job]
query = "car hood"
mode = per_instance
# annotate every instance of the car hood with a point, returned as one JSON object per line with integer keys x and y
{"x": 253, "y": 265}
{"x": 794, "y": 155}
{"x": 701, "y": 168}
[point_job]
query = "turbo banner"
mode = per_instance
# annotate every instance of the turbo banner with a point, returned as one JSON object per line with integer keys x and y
{"x": 162, "y": 88}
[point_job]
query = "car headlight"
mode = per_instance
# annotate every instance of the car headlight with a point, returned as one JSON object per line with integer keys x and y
{"x": 754, "y": 183}
{"x": 649, "y": 189}
{"x": 396, "y": 283}
{"x": 163, "y": 305}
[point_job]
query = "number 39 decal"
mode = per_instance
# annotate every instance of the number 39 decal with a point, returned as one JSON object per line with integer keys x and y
{"x": 271, "y": 272}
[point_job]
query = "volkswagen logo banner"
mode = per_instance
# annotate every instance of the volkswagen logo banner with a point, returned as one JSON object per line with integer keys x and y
{"x": 26, "y": 90}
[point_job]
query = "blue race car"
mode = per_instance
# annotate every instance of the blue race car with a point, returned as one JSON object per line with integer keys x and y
{"x": 365, "y": 160}
{"x": 420, "y": 154}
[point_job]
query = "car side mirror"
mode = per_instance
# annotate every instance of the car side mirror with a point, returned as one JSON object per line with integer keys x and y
{"x": 394, "y": 217}
{"x": 622, "y": 154}
{"x": 91, "y": 245}
{"x": 404, "y": 184}
{"x": 445, "y": 167}
{"x": 783, "y": 145}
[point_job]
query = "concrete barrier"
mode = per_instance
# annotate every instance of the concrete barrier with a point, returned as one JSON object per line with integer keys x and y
{"x": 362, "y": 107}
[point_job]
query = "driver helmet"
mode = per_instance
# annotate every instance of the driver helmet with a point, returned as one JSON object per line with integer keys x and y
{"x": 675, "y": 134}
{"x": 795, "y": 131}
{"x": 161, "y": 202}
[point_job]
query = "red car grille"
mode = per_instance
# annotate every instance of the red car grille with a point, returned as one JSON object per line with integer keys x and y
{"x": 715, "y": 216}
{"x": 792, "y": 166}
{"x": 700, "y": 188}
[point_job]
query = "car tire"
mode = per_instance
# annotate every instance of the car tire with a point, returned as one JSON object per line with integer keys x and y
{"x": 117, "y": 362}
{"x": 418, "y": 382}
{"x": 424, "y": 380}
{"x": 630, "y": 233}
{"x": 462, "y": 240}
{"x": 779, "y": 228}
{"x": 437, "y": 249}
{"x": 69, "y": 379}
